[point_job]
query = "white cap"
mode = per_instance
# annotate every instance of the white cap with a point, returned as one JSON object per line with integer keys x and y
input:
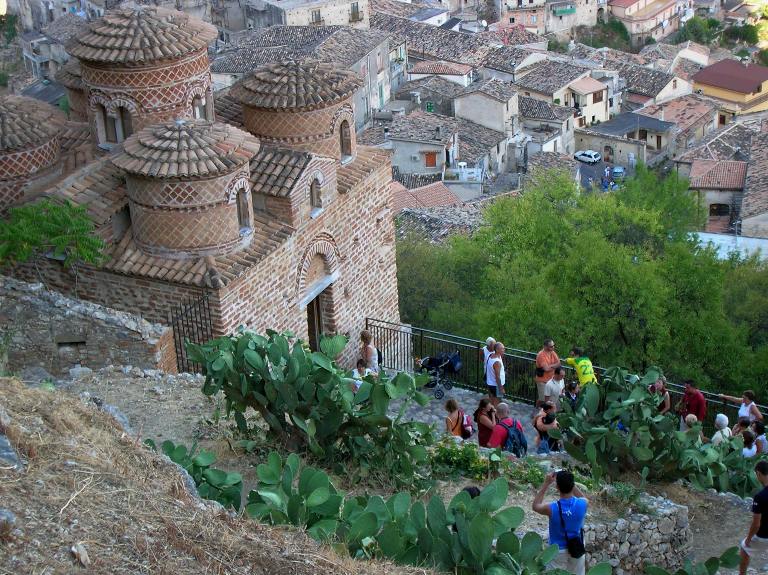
{"x": 489, "y": 341}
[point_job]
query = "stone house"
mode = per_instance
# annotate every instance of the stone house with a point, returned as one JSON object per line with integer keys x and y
{"x": 655, "y": 134}
{"x": 558, "y": 17}
{"x": 694, "y": 116}
{"x": 491, "y": 103}
{"x": 719, "y": 186}
{"x": 257, "y": 219}
{"x": 480, "y": 148}
{"x": 265, "y": 13}
{"x": 431, "y": 94}
{"x": 507, "y": 62}
{"x": 44, "y": 53}
{"x": 644, "y": 19}
{"x": 644, "y": 86}
{"x": 364, "y": 52}
{"x": 460, "y": 74}
{"x": 562, "y": 83}
{"x": 549, "y": 127}
{"x": 740, "y": 88}
{"x": 424, "y": 143}
{"x": 619, "y": 150}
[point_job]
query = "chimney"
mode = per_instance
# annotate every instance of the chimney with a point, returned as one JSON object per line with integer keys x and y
{"x": 438, "y": 132}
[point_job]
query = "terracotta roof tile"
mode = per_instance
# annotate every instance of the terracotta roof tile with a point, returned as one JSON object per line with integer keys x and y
{"x": 436, "y": 43}
{"x": 684, "y": 111}
{"x": 296, "y": 85}
{"x": 586, "y": 85}
{"x": 755, "y": 201}
{"x": 186, "y": 148}
{"x": 401, "y": 9}
{"x": 643, "y": 81}
{"x": 551, "y": 161}
{"x": 411, "y": 181}
{"x": 434, "y": 84}
{"x": 732, "y": 142}
{"x": 718, "y": 175}
{"x": 541, "y": 110}
{"x": 441, "y": 68}
{"x": 27, "y": 123}
{"x": 227, "y": 108}
{"x": 366, "y": 161}
{"x": 423, "y": 127}
{"x": 141, "y": 35}
{"x": 476, "y": 141}
{"x": 274, "y": 171}
{"x": 493, "y": 87}
{"x": 549, "y": 76}
{"x": 430, "y": 196}
{"x": 73, "y": 135}
{"x": 373, "y": 136}
{"x": 70, "y": 76}
{"x": 733, "y": 75}
{"x": 685, "y": 69}
{"x": 65, "y": 27}
{"x": 506, "y": 58}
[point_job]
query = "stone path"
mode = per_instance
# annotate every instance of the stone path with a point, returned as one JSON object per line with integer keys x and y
{"x": 434, "y": 413}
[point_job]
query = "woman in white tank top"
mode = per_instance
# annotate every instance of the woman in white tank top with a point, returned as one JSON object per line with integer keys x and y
{"x": 748, "y": 407}
{"x": 368, "y": 353}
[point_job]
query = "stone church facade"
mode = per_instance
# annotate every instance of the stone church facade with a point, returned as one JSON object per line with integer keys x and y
{"x": 259, "y": 198}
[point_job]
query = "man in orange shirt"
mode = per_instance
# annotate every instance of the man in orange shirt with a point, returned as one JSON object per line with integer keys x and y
{"x": 546, "y": 362}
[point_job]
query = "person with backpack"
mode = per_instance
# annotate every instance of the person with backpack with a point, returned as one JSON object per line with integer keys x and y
{"x": 566, "y": 520}
{"x": 508, "y": 433}
{"x": 457, "y": 423}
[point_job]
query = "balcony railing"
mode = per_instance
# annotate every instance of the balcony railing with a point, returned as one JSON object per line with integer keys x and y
{"x": 562, "y": 11}
{"x": 400, "y": 344}
{"x": 318, "y": 22}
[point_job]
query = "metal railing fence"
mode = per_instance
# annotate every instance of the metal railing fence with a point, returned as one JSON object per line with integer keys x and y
{"x": 402, "y": 344}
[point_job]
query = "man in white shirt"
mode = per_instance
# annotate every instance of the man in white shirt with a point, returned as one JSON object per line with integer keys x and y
{"x": 554, "y": 388}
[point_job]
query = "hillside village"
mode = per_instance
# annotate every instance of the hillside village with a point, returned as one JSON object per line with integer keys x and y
{"x": 257, "y": 163}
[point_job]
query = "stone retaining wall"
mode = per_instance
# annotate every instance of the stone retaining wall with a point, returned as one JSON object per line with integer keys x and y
{"x": 56, "y": 333}
{"x": 660, "y": 537}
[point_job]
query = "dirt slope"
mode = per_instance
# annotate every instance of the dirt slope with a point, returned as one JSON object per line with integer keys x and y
{"x": 88, "y": 483}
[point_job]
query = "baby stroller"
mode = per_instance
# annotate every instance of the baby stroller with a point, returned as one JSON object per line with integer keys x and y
{"x": 439, "y": 367}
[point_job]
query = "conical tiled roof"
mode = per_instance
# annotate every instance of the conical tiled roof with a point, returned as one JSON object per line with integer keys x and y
{"x": 27, "y": 123}
{"x": 296, "y": 85}
{"x": 186, "y": 148}
{"x": 70, "y": 76}
{"x": 145, "y": 34}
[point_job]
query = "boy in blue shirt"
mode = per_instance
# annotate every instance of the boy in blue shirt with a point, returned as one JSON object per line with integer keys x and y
{"x": 566, "y": 520}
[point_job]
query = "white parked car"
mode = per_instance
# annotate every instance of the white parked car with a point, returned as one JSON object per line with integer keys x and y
{"x": 588, "y": 156}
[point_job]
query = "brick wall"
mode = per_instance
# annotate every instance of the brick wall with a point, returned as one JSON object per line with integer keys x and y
{"x": 78, "y": 105}
{"x": 56, "y": 333}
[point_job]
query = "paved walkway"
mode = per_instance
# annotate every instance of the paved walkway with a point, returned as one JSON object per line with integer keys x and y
{"x": 434, "y": 413}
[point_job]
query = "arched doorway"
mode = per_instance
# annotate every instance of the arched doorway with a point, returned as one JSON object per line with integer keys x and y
{"x": 601, "y": 14}
{"x": 608, "y": 154}
{"x": 346, "y": 139}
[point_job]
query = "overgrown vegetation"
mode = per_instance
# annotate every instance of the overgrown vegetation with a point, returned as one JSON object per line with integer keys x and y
{"x": 616, "y": 428}
{"x": 612, "y": 34}
{"x": 698, "y": 29}
{"x": 308, "y": 404}
{"x": 617, "y": 274}
{"x": 8, "y": 23}
{"x": 59, "y": 230}
{"x": 747, "y": 33}
{"x": 211, "y": 483}
{"x": 451, "y": 460}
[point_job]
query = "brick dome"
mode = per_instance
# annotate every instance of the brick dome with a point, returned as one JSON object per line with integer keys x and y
{"x": 140, "y": 36}
{"x": 188, "y": 187}
{"x": 71, "y": 77}
{"x": 29, "y": 146}
{"x": 296, "y": 85}
{"x": 304, "y": 104}
{"x": 141, "y": 67}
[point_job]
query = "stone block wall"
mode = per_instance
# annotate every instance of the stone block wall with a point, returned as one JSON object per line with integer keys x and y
{"x": 660, "y": 537}
{"x": 57, "y": 333}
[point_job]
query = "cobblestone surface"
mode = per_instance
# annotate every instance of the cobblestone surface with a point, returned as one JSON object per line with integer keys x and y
{"x": 434, "y": 413}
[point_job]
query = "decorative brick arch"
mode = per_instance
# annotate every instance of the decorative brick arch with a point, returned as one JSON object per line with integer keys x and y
{"x": 238, "y": 183}
{"x": 325, "y": 246}
{"x": 345, "y": 112}
{"x": 123, "y": 102}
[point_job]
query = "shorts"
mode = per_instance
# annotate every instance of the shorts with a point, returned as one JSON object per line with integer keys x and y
{"x": 758, "y": 548}
{"x": 540, "y": 387}
{"x": 564, "y": 561}
{"x": 493, "y": 391}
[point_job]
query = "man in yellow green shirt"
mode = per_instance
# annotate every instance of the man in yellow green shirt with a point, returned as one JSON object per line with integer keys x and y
{"x": 583, "y": 366}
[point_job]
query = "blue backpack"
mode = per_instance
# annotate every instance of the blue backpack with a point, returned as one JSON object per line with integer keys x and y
{"x": 516, "y": 441}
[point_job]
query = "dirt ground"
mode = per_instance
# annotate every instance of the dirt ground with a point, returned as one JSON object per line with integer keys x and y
{"x": 92, "y": 499}
{"x": 174, "y": 408}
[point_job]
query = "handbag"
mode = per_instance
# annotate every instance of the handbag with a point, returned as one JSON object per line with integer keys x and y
{"x": 540, "y": 372}
{"x": 574, "y": 545}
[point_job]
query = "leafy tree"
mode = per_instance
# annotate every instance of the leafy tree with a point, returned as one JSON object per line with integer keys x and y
{"x": 62, "y": 230}
{"x": 615, "y": 273}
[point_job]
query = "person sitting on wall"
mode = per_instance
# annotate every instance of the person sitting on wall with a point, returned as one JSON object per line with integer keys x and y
{"x": 359, "y": 373}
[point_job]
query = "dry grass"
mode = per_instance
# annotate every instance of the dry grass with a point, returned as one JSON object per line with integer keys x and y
{"x": 87, "y": 482}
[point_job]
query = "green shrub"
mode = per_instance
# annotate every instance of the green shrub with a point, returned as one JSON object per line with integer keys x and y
{"x": 213, "y": 484}
{"x": 308, "y": 404}
{"x": 526, "y": 471}
{"x": 450, "y": 459}
{"x": 619, "y": 28}
{"x": 628, "y": 434}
